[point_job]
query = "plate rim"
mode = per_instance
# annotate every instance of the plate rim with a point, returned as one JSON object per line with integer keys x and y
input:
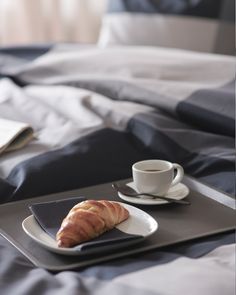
{"x": 72, "y": 251}
{"x": 139, "y": 201}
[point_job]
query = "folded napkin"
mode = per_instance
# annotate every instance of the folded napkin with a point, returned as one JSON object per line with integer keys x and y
{"x": 49, "y": 215}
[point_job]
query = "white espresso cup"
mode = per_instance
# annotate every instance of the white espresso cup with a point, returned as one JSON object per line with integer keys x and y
{"x": 156, "y": 176}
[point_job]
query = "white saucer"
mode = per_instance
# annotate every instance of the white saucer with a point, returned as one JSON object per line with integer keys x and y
{"x": 178, "y": 192}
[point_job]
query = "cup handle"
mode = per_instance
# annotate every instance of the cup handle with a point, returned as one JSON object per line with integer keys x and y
{"x": 180, "y": 174}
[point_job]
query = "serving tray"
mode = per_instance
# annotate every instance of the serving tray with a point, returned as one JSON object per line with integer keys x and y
{"x": 177, "y": 223}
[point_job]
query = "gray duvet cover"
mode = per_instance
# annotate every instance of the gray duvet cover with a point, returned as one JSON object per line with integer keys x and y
{"x": 96, "y": 112}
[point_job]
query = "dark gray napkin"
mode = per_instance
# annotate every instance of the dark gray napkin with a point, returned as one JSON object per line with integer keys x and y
{"x": 50, "y": 215}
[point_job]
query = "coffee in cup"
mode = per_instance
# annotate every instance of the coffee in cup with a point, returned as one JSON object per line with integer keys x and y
{"x": 156, "y": 176}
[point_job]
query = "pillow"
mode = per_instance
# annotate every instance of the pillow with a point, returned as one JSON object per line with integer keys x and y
{"x": 186, "y": 24}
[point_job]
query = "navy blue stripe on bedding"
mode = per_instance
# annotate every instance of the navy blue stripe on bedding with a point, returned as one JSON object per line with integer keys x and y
{"x": 200, "y": 8}
{"x": 99, "y": 157}
{"x": 212, "y": 110}
{"x": 29, "y": 52}
{"x": 201, "y": 118}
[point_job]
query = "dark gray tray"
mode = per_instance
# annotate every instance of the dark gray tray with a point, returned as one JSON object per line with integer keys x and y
{"x": 177, "y": 224}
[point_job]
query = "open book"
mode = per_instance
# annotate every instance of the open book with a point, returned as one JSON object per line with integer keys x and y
{"x": 14, "y": 135}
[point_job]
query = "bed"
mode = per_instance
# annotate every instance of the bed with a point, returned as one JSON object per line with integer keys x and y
{"x": 95, "y": 112}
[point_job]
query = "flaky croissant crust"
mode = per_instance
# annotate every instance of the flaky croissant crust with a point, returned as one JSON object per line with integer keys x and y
{"x": 88, "y": 220}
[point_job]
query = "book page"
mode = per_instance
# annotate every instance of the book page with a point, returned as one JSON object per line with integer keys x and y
{"x": 14, "y": 135}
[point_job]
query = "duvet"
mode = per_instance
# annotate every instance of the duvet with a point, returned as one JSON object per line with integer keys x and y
{"x": 97, "y": 111}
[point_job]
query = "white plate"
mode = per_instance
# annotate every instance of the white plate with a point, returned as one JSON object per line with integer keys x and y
{"x": 178, "y": 192}
{"x": 138, "y": 223}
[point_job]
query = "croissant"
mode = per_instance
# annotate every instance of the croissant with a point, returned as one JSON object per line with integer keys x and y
{"x": 88, "y": 220}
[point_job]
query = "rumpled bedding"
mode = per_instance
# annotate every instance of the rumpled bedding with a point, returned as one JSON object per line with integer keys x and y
{"x": 97, "y": 111}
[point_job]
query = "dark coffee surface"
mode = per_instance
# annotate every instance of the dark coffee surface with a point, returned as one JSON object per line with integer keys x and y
{"x": 152, "y": 170}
